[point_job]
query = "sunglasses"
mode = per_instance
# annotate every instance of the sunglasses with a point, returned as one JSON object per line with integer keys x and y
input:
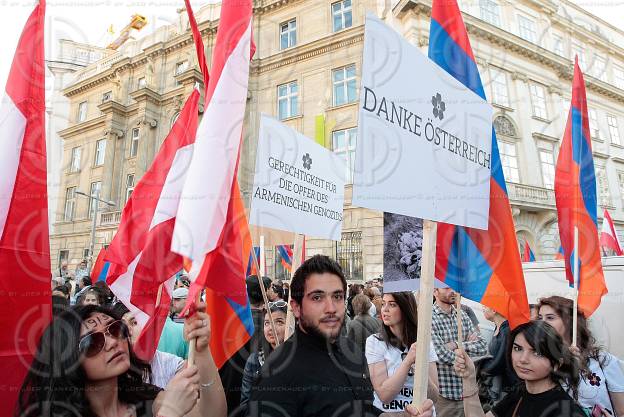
{"x": 92, "y": 344}
{"x": 278, "y": 304}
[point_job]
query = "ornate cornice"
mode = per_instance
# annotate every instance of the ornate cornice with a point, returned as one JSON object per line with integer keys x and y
{"x": 80, "y": 128}
{"x": 345, "y": 39}
{"x": 146, "y": 94}
{"x": 537, "y": 135}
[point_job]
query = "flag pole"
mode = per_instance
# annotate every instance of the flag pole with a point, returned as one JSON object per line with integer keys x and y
{"x": 264, "y": 296}
{"x": 460, "y": 325}
{"x": 297, "y": 260}
{"x": 262, "y": 257}
{"x": 193, "y": 341}
{"x": 425, "y": 295}
{"x": 576, "y": 289}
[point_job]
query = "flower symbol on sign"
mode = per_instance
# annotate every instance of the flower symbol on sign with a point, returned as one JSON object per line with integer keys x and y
{"x": 438, "y": 106}
{"x": 307, "y": 161}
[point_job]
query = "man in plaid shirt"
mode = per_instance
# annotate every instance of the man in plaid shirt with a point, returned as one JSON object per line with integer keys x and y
{"x": 444, "y": 338}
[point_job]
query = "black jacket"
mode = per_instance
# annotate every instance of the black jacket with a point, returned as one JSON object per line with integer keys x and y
{"x": 308, "y": 376}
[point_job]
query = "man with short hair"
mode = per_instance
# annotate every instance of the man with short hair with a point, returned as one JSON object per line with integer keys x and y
{"x": 317, "y": 372}
{"x": 444, "y": 338}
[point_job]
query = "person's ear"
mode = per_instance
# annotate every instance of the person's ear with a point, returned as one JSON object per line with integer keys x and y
{"x": 296, "y": 308}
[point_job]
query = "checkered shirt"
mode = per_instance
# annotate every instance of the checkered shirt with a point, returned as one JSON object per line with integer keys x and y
{"x": 443, "y": 331}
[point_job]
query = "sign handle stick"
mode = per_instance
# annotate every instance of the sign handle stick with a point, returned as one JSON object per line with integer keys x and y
{"x": 296, "y": 262}
{"x": 262, "y": 257}
{"x": 425, "y": 295}
{"x": 460, "y": 326}
{"x": 264, "y": 296}
{"x": 576, "y": 289}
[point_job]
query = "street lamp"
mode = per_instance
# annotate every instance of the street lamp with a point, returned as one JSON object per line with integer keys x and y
{"x": 97, "y": 199}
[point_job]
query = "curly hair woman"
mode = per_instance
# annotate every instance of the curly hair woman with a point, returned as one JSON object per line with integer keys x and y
{"x": 85, "y": 366}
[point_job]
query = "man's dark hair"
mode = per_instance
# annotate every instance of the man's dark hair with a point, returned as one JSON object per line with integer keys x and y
{"x": 62, "y": 288}
{"x": 318, "y": 264}
{"x": 253, "y": 288}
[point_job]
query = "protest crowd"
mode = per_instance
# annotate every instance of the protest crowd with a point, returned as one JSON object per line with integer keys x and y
{"x": 177, "y": 318}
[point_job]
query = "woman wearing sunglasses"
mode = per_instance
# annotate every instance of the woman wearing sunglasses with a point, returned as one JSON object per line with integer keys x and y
{"x": 85, "y": 366}
{"x": 256, "y": 360}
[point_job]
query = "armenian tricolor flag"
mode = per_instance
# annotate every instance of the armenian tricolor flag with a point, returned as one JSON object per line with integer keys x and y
{"x": 528, "y": 255}
{"x": 483, "y": 265}
{"x": 100, "y": 268}
{"x": 577, "y": 207}
{"x": 251, "y": 266}
{"x": 286, "y": 255}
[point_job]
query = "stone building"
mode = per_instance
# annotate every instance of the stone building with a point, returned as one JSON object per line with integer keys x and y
{"x": 306, "y": 73}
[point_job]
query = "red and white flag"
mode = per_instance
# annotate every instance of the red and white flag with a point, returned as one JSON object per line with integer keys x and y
{"x": 25, "y": 275}
{"x": 140, "y": 254}
{"x": 209, "y": 186}
{"x": 608, "y": 236}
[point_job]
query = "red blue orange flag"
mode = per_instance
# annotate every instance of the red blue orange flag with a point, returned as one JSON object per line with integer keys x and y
{"x": 100, "y": 268}
{"x": 286, "y": 255}
{"x": 251, "y": 265}
{"x": 559, "y": 255}
{"x": 528, "y": 255}
{"x": 577, "y": 206}
{"x": 483, "y": 265}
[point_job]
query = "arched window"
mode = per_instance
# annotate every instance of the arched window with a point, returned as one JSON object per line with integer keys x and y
{"x": 174, "y": 118}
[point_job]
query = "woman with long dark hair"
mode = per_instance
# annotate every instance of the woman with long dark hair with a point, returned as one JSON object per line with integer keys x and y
{"x": 392, "y": 352}
{"x": 85, "y": 366}
{"x": 601, "y": 384}
{"x": 539, "y": 358}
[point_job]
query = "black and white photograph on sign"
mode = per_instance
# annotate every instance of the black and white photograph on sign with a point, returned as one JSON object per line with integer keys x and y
{"x": 403, "y": 238}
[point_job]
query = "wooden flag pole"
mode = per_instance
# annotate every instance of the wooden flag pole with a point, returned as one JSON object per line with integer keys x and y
{"x": 296, "y": 262}
{"x": 576, "y": 289}
{"x": 264, "y": 296}
{"x": 425, "y": 295}
{"x": 460, "y": 324}
{"x": 262, "y": 257}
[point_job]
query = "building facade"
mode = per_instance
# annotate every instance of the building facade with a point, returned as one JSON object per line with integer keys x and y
{"x": 306, "y": 73}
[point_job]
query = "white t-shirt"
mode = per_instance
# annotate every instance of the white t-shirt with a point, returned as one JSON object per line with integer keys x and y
{"x": 377, "y": 351}
{"x": 164, "y": 367}
{"x": 594, "y": 388}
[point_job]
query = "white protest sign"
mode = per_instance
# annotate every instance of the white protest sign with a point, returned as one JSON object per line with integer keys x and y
{"x": 298, "y": 184}
{"x": 424, "y": 139}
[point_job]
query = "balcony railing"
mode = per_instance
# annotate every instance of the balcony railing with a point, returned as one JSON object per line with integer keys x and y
{"x": 110, "y": 218}
{"x": 530, "y": 195}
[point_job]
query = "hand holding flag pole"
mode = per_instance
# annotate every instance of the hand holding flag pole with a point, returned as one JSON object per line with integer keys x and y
{"x": 576, "y": 290}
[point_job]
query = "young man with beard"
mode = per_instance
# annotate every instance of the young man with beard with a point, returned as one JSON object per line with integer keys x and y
{"x": 317, "y": 372}
{"x": 444, "y": 338}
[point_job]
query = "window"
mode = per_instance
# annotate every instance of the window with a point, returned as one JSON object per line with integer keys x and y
{"x": 107, "y": 96}
{"x": 174, "y": 118}
{"x": 134, "y": 142}
{"x": 558, "y": 45}
{"x": 82, "y": 112}
{"x": 85, "y": 253}
{"x": 621, "y": 181}
{"x": 349, "y": 255}
{"x": 129, "y": 186}
{"x": 70, "y": 204}
{"x": 343, "y": 145}
{"x": 578, "y": 50}
{"x": 614, "y": 132}
{"x": 344, "y": 85}
{"x": 504, "y": 126}
{"x": 287, "y": 100}
{"x": 594, "y": 128}
{"x": 74, "y": 165}
{"x": 100, "y": 152}
{"x": 618, "y": 77}
{"x": 500, "y": 93}
{"x": 142, "y": 83}
{"x": 63, "y": 256}
{"x": 600, "y": 68}
{"x": 538, "y": 100}
{"x": 288, "y": 34}
{"x": 509, "y": 161}
{"x": 548, "y": 168}
{"x": 490, "y": 11}
{"x": 342, "y": 15}
{"x": 96, "y": 188}
{"x": 526, "y": 28}
{"x": 604, "y": 196}
{"x": 181, "y": 67}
